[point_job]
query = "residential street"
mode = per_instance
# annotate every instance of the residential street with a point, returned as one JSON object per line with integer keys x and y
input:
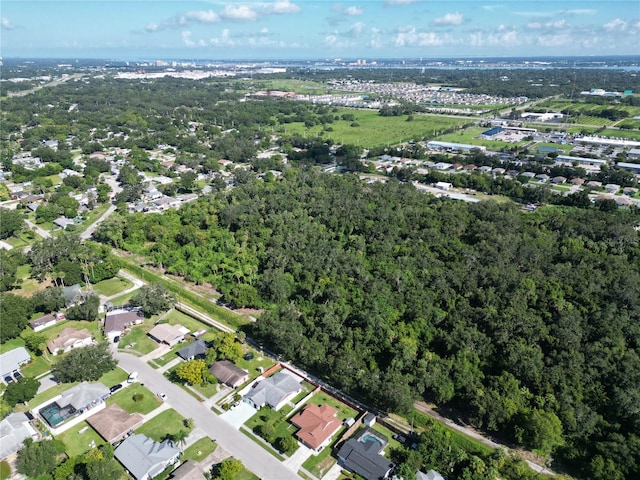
{"x": 238, "y": 445}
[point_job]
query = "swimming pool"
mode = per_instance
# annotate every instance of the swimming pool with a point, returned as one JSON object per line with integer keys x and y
{"x": 54, "y": 415}
{"x": 371, "y": 438}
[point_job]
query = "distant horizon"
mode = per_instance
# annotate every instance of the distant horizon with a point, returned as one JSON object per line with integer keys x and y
{"x": 313, "y": 29}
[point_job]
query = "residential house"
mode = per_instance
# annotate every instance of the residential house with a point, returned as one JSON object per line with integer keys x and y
{"x": 68, "y": 339}
{"x": 63, "y": 222}
{"x": 168, "y": 334}
{"x": 228, "y": 373}
{"x": 72, "y": 294}
{"x": 189, "y": 470}
{"x": 75, "y": 401}
{"x": 443, "y": 186}
{"x": 559, "y": 179}
{"x": 612, "y": 187}
{"x": 45, "y": 321}
{"x": 274, "y": 391}
{"x": 430, "y": 475}
{"x": 144, "y": 458}
{"x": 116, "y": 322}
{"x": 14, "y": 430}
{"x": 195, "y": 349}
{"x": 113, "y": 423}
{"x": 11, "y": 361}
{"x": 363, "y": 455}
{"x": 317, "y": 425}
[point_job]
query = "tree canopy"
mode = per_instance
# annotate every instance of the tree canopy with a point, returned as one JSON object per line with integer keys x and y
{"x": 88, "y": 363}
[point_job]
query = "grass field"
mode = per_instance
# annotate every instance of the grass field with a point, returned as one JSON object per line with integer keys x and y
{"x": 36, "y": 367}
{"x": 627, "y": 134}
{"x": 124, "y": 398}
{"x": 291, "y": 85}
{"x": 138, "y": 336}
{"x": 374, "y": 130}
{"x": 344, "y": 411}
{"x": 166, "y": 423}
{"x": 112, "y": 286}
{"x": 266, "y": 415}
{"x": 320, "y": 464}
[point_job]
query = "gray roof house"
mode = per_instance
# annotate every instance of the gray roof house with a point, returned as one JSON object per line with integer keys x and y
{"x": 228, "y": 373}
{"x": 430, "y": 475}
{"x": 12, "y": 360}
{"x": 193, "y": 350}
{"x": 84, "y": 395}
{"x": 189, "y": 470}
{"x": 14, "y": 429}
{"x": 362, "y": 455}
{"x": 274, "y": 391}
{"x": 144, "y": 458}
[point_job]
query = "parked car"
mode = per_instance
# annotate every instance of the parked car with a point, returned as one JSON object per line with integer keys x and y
{"x": 8, "y": 379}
{"x": 115, "y": 388}
{"x": 17, "y": 376}
{"x": 132, "y": 378}
{"x": 116, "y": 339}
{"x": 162, "y": 396}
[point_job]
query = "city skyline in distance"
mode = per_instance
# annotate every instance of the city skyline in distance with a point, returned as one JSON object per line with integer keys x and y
{"x": 305, "y": 29}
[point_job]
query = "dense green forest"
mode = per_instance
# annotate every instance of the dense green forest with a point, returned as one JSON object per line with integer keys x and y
{"x": 527, "y": 324}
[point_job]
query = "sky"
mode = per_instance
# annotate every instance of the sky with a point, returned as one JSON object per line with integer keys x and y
{"x": 316, "y": 29}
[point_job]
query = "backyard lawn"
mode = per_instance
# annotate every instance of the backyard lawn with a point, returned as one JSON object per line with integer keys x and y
{"x": 77, "y": 443}
{"x": 112, "y": 286}
{"x": 124, "y": 398}
{"x": 282, "y": 428}
{"x": 320, "y": 464}
{"x": 139, "y": 339}
{"x": 166, "y": 423}
{"x": 344, "y": 411}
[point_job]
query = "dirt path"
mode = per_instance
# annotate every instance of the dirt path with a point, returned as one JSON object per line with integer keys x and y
{"x": 424, "y": 408}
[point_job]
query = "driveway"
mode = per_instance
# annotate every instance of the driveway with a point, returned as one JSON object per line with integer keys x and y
{"x": 255, "y": 458}
{"x": 237, "y": 416}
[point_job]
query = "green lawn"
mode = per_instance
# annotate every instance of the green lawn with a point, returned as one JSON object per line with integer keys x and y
{"x": 208, "y": 390}
{"x": 117, "y": 375}
{"x": 200, "y": 450}
{"x": 36, "y": 367}
{"x": 124, "y": 398}
{"x": 344, "y": 411}
{"x": 320, "y": 464}
{"x": 258, "y": 360}
{"x": 49, "y": 393}
{"x": 112, "y": 286}
{"x": 166, "y": 423}
{"x": 266, "y": 415}
{"x": 246, "y": 475}
{"x": 374, "y": 130}
{"x": 138, "y": 336}
{"x": 174, "y": 317}
{"x": 628, "y": 134}
{"x": 77, "y": 443}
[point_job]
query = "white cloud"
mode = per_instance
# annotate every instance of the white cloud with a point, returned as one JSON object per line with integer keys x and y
{"x": 398, "y": 2}
{"x": 356, "y": 29}
{"x": 617, "y": 25}
{"x": 334, "y": 40}
{"x": 6, "y": 24}
{"x": 224, "y": 40}
{"x": 449, "y": 19}
{"x": 238, "y": 13}
{"x": 504, "y": 36}
{"x": 582, "y": 11}
{"x": 554, "y": 40}
{"x": 410, "y": 37}
{"x": 491, "y": 8}
{"x": 354, "y": 11}
{"x": 199, "y": 16}
{"x": 281, "y": 7}
{"x": 186, "y": 39}
{"x": 153, "y": 27}
{"x": 557, "y": 25}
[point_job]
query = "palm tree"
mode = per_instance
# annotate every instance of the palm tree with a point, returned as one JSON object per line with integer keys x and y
{"x": 180, "y": 438}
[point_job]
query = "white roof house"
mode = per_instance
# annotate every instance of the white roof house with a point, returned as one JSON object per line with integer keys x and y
{"x": 14, "y": 429}
{"x": 144, "y": 458}
{"x": 12, "y": 360}
{"x": 274, "y": 391}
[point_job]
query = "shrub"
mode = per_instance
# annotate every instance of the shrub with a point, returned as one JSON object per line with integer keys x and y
{"x": 137, "y": 397}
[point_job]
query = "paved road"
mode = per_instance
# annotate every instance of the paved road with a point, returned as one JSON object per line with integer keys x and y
{"x": 89, "y": 231}
{"x": 238, "y": 445}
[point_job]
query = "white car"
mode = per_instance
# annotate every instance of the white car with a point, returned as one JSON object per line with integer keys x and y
{"x": 162, "y": 396}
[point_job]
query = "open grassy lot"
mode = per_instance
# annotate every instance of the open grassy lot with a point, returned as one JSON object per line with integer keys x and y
{"x": 468, "y": 136}
{"x": 166, "y": 423}
{"x": 122, "y": 299}
{"x": 257, "y": 361}
{"x": 200, "y": 450}
{"x": 374, "y": 130}
{"x": 291, "y": 85}
{"x": 77, "y": 443}
{"x": 627, "y": 134}
{"x": 565, "y": 148}
{"x": 112, "y": 286}
{"x": 174, "y": 317}
{"x": 124, "y": 398}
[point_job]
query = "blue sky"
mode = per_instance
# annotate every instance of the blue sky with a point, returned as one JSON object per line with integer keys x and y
{"x": 298, "y": 29}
